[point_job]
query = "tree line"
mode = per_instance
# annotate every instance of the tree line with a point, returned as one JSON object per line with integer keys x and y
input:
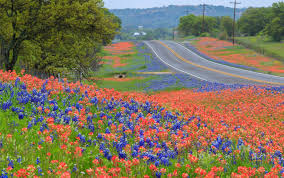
{"x": 54, "y": 36}
{"x": 254, "y": 21}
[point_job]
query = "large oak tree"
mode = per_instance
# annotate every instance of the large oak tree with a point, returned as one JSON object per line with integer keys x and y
{"x": 58, "y": 35}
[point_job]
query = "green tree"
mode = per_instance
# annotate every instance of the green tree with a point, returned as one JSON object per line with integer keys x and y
{"x": 210, "y": 24}
{"x": 66, "y": 34}
{"x": 227, "y": 25}
{"x": 192, "y": 25}
{"x": 254, "y": 20}
{"x": 275, "y": 28}
{"x": 187, "y": 25}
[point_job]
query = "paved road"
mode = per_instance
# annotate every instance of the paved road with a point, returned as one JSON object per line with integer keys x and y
{"x": 180, "y": 59}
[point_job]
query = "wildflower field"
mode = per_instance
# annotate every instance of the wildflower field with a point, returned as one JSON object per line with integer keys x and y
{"x": 55, "y": 128}
{"x": 52, "y": 128}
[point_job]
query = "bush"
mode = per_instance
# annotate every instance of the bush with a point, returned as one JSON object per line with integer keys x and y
{"x": 205, "y": 34}
{"x": 223, "y": 36}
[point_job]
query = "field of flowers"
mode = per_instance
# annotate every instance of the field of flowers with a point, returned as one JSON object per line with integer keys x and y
{"x": 226, "y": 53}
{"x": 52, "y": 128}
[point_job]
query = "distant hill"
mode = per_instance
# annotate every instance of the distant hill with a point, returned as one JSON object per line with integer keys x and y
{"x": 167, "y": 17}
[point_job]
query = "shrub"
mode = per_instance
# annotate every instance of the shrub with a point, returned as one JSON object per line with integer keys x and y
{"x": 223, "y": 36}
{"x": 205, "y": 34}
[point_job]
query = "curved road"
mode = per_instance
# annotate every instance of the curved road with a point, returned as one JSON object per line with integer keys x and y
{"x": 181, "y": 59}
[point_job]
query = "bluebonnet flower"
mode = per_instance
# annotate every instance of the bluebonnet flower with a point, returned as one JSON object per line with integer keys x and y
{"x": 19, "y": 160}
{"x": 157, "y": 163}
{"x": 11, "y": 163}
{"x": 122, "y": 155}
{"x": 39, "y": 171}
{"x": 158, "y": 174}
{"x": 107, "y": 131}
{"x": 91, "y": 127}
{"x": 74, "y": 168}
{"x": 240, "y": 143}
{"x": 21, "y": 115}
{"x": 37, "y": 160}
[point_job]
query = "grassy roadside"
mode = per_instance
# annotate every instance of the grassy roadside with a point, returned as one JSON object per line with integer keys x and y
{"x": 187, "y": 38}
{"x": 263, "y": 46}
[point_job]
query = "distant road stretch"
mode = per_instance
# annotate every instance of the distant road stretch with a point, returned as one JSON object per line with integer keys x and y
{"x": 181, "y": 59}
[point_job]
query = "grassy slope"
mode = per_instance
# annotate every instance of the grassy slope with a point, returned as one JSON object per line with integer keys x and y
{"x": 264, "y": 46}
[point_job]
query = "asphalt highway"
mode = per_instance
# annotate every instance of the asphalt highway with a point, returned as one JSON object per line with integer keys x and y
{"x": 183, "y": 60}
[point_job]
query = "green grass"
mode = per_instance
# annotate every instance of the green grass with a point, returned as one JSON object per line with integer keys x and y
{"x": 103, "y": 53}
{"x": 166, "y": 70}
{"x": 234, "y": 50}
{"x": 185, "y": 38}
{"x": 194, "y": 41}
{"x": 270, "y": 63}
{"x": 264, "y": 46}
{"x": 132, "y": 85}
{"x": 189, "y": 37}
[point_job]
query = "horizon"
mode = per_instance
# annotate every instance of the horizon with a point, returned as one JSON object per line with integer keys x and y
{"x": 135, "y": 4}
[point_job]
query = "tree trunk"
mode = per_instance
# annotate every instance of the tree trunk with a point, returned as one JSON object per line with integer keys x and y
{"x": 2, "y": 58}
{"x": 6, "y": 58}
{"x": 10, "y": 64}
{"x": 3, "y": 54}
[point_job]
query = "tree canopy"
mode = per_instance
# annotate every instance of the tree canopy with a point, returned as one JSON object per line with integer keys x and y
{"x": 275, "y": 28}
{"x": 254, "y": 20}
{"x": 193, "y": 25}
{"x": 52, "y": 35}
{"x": 227, "y": 25}
{"x": 267, "y": 21}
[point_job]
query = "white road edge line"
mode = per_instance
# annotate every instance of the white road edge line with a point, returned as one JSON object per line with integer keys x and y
{"x": 227, "y": 66}
{"x": 171, "y": 65}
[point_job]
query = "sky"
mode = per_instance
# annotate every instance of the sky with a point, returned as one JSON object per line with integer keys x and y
{"x": 121, "y": 4}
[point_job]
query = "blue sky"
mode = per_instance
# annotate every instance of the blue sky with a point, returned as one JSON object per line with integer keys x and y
{"x": 119, "y": 4}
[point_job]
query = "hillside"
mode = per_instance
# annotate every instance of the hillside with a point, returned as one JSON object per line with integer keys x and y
{"x": 167, "y": 17}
